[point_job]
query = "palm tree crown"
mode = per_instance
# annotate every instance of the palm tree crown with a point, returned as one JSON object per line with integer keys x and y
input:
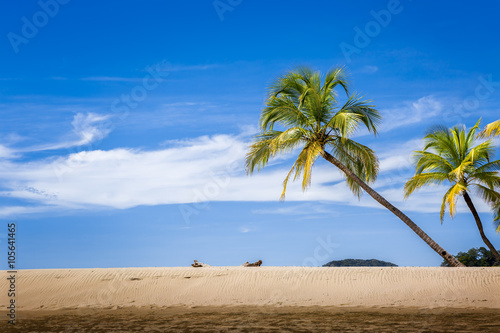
{"x": 450, "y": 155}
{"x": 311, "y": 117}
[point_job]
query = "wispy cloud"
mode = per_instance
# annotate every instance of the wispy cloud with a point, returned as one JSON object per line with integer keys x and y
{"x": 6, "y": 152}
{"x": 298, "y": 209}
{"x": 408, "y": 113}
{"x": 87, "y": 128}
{"x": 244, "y": 230}
{"x": 163, "y": 67}
{"x": 178, "y": 67}
{"x": 397, "y": 155}
{"x": 411, "y": 113}
{"x": 112, "y": 78}
{"x": 368, "y": 69}
{"x": 6, "y": 211}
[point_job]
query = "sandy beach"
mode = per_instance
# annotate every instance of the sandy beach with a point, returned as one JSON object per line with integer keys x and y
{"x": 262, "y": 292}
{"x": 55, "y": 289}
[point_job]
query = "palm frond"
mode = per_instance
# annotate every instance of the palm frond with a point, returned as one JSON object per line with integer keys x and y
{"x": 443, "y": 204}
{"x": 354, "y": 111}
{"x": 303, "y": 166}
{"x": 358, "y": 168}
{"x": 423, "y": 179}
{"x": 430, "y": 162}
{"x": 489, "y": 195}
{"x": 334, "y": 77}
{"x": 369, "y": 115}
{"x": 297, "y": 165}
{"x": 459, "y": 171}
{"x": 452, "y": 195}
{"x": 270, "y": 143}
{"x": 343, "y": 122}
{"x": 489, "y": 178}
{"x": 481, "y": 153}
{"x": 471, "y": 135}
{"x": 491, "y": 130}
{"x": 360, "y": 159}
{"x": 442, "y": 141}
{"x": 283, "y": 111}
{"x": 490, "y": 166}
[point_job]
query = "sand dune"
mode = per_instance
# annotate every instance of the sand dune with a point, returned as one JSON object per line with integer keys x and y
{"x": 53, "y": 289}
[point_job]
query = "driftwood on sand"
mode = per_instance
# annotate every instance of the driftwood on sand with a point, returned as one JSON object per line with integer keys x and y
{"x": 247, "y": 264}
{"x": 255, "y": 264}
{"x": 199, "y": 264}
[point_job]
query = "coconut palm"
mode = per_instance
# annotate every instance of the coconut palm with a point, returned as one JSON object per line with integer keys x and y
{"x": 452, "y": 156}
{"x": 491, "y": 130}
{"x": 303, "y": 111}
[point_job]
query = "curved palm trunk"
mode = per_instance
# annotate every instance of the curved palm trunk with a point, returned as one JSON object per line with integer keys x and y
{"x": 446, "y": 256}
{"x": 486, "y": 241}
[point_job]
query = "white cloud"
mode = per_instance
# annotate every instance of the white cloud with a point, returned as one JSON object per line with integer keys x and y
{"x": 244, "y": 230}
{"x": 87, "y": 128}
{"x": 6, "y": 141}
{"x": 6, "y": 152}
{"x": 397, "y": 155}
{"x": 202, "y": 169}
{"x": 300, "y": 209}
{"x": 168, "y": 67}
{"x": 411, "y": 113}
{"x": 7, "y": 211}
{"x": 190, "y": 171}
{"x": 160, "y": 67}
{"x": 112, "y": 78}
{"x": 208, "y": 168}
{"x": 407, "y": 114}
{"x": 368, "y": 69}
{"x": 123, "y": 178}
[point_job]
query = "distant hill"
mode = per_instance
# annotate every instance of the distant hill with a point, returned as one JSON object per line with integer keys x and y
{"x": 359, "y": 263}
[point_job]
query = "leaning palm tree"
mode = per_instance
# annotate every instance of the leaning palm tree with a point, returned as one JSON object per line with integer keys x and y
{"x": 452, "y": 156}
{"x": 491, "y": 130}
{"x": 303, "y": 111}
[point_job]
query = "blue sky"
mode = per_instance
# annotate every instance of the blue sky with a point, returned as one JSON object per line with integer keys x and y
{"x": 124, "y": 127}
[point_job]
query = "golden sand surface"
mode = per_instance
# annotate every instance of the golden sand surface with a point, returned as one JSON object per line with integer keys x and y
{"x": 111, "y": 288}
{"x": 255, "y": 299}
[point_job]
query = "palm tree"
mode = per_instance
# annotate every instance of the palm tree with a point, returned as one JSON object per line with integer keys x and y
{"x": 451, "y": 156}
{"x": 312, "y": 119}
{"x": 491, "y": 130}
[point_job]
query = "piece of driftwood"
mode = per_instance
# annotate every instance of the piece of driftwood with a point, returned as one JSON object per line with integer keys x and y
{"x": 199, "y": 264}
{"x": 255, "y": 264}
